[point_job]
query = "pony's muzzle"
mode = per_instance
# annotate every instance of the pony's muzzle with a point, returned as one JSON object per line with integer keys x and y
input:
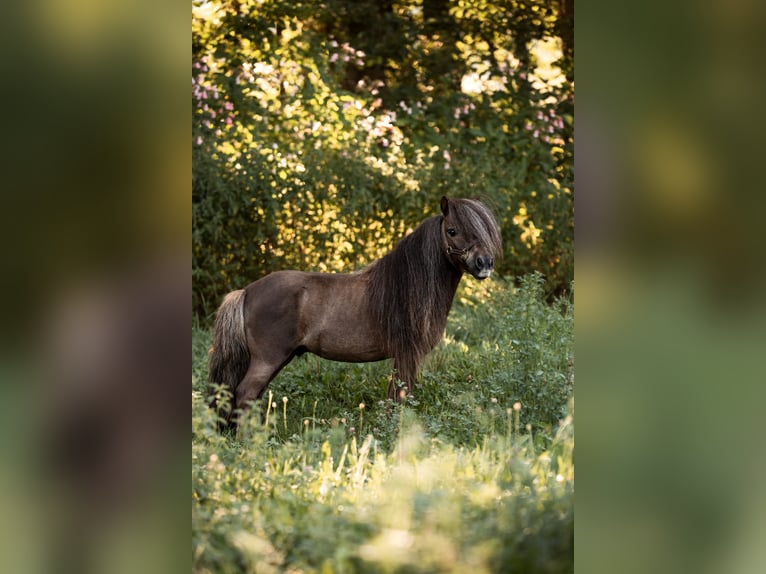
{"x": 483, "y": 266}
{"x": 485, "y": 263}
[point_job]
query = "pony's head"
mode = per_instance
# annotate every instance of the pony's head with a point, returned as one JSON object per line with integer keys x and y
{"x": 471, "y": 236}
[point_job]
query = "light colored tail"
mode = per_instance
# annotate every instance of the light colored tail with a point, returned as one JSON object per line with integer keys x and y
{"x": 229, "y": 355}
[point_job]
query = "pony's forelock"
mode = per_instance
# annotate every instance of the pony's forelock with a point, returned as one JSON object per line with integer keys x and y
{"x": 478, "y": 220}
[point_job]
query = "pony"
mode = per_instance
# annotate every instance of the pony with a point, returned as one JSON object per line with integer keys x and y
{"x": 395, "y": 308}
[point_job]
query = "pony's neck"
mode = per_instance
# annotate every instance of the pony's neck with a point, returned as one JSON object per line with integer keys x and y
{"x": 453, "y": 280}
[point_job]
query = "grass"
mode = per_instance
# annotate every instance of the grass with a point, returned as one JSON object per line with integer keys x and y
{"x": 474, "y": 474}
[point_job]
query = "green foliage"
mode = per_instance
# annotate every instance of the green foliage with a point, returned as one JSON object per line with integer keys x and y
{"x": 322, "y": 131}
{"x": 329, "y": 477}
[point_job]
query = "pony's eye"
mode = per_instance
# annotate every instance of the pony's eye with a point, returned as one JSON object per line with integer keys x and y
{"x": 452, "y": 232}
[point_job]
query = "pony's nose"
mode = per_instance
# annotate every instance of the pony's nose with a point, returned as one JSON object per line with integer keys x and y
{"x": 482, "y": 262}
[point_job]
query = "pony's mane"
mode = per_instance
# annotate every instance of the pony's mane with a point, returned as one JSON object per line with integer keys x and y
{"x": 410, "y": 290}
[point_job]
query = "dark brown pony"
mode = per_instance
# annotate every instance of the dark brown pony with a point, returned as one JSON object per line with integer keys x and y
{"x": 395, "y": 308}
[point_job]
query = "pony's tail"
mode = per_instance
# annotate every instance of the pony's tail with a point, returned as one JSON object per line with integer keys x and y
{"x": 229, "y": 356}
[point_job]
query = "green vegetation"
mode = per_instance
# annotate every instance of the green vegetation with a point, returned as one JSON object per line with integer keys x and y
{"x": 474, "y": 474}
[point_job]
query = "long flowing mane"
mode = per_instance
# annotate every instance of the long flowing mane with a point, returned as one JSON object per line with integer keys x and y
{"x": 410, "y": 290}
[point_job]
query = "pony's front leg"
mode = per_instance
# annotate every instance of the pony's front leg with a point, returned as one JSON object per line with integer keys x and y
{"x": 399, "y": 390}
{"x": 400, "y": 386}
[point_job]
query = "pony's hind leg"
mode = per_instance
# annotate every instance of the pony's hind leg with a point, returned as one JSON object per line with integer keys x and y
{"x": 258, "y": 376}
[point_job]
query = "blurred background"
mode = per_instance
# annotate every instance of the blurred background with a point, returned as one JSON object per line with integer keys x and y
{"x": 670, "y": 280}
{"x": 94, "y": 222}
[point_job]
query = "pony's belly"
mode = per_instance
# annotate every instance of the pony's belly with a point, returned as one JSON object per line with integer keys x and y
{"x": 346, "y": 350}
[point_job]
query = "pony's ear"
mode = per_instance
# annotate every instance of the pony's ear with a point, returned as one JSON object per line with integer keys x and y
{"x": 445, "y": 205}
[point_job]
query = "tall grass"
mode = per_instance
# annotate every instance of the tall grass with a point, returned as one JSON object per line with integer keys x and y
{"x": 474, "y": 474}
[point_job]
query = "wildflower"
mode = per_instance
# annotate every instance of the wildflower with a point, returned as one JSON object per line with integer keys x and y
{"x": 517, "y": 406}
